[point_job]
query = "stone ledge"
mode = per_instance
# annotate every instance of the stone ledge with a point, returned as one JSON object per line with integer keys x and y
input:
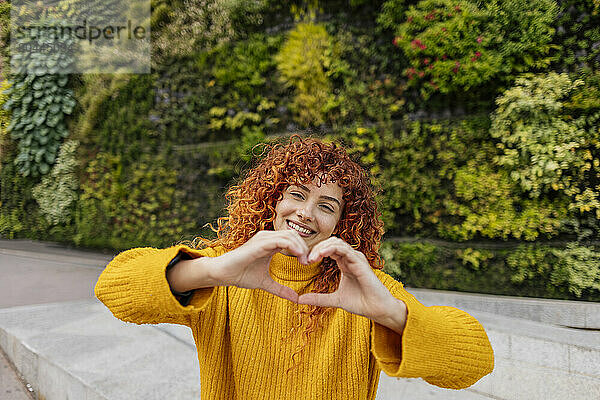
{"x": 574, "y": 314}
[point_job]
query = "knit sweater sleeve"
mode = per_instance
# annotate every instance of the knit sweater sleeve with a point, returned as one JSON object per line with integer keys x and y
{"x": 134, "y": 287}
{"x": 443, "y": 345}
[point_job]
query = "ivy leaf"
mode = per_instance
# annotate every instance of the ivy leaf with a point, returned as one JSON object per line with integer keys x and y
{"x": 62, "y": 81}
{"x": 62, "y": 131}
{"x": 39, "y": 117}
{"x": 39, "y": 154}
{"x": 54, "y": 109}
{"x": 51, "y": 62}
{"x": 50, "y": 157}
{"x": 53, "y": 120}
{"x": 68, "y": 105}
{"x": 44, "y": 168}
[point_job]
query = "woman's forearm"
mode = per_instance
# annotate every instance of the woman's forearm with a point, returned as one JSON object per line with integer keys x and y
{"x": 193, "y": 274}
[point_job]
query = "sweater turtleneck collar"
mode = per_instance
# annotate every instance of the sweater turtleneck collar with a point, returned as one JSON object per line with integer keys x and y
{"x": 288, "y": 268}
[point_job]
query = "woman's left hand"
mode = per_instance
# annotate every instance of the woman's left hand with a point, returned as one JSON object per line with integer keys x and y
{"x": 360, "y": 291}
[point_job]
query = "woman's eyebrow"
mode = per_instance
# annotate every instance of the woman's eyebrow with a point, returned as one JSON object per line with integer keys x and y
{"x": 324, "y": 197}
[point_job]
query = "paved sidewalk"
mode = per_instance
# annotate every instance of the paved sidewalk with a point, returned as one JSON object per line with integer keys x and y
{"x": 11, "y": 387}
{"x": 36, "y": 273}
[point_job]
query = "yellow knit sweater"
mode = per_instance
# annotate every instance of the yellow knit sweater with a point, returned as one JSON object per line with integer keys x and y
{"x": 238, "y": 334}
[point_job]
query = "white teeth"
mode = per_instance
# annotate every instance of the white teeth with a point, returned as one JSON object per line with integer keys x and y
{"x": 299, "y": 228}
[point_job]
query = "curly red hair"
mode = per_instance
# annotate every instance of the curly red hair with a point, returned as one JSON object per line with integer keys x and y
{"x": 251, "y": 207}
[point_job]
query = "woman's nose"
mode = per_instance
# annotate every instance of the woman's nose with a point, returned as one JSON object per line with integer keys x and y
{"x": 304, "y": 213}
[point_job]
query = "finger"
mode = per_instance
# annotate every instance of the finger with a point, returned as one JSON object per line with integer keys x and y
{"x": 313, "y": 256}
{"x": 320, "y": 299}
{"x": 298, "y": 239}
{"x": 335, "y": 250}
{"x": 284, "y": 242}
{"x": 281, "y": 291}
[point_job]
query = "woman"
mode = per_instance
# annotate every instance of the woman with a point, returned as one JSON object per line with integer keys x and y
{"x": 303, "y": 228}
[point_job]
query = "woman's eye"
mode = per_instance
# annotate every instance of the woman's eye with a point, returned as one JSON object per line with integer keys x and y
{"x": 327, "y": 207}
{"x": 297, "y": 195}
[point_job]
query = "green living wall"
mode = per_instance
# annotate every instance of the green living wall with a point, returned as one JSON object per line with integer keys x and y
{"x": 478, "y": 122}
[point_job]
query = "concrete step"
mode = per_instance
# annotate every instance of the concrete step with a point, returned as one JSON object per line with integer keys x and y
{"x": 78, "y": 350}
{"x": 573, "y": 314}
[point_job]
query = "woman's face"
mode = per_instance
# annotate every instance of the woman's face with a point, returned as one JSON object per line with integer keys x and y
{"x": 313, "y": 211}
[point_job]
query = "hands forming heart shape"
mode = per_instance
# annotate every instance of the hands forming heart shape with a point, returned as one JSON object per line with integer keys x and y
{"x": 359, "y": 292}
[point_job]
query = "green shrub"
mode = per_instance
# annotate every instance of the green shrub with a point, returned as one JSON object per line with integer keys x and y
{"x": 578, "y": 267}
{"x": 123, "y": 207}
{"x": 39, "y": 99}
{"x": 242, "y": 92}
{"x": 38, "y": 104}
{"x": 548, "y": 140}
{"x": 366, "y": 82}
{"x": 415, "y": 163}
{"x": 578, "y": 34}
{"x": 199, "y": 25}
{"x": 455, "y": 45}
{"x": 531, "y": 270}
{"x": 4, "y": 38}
{"x": 490, "y": 204}
{"x": 475, "y": 259}
{"x": 403, "y": 257}
{"x": 304, "y": 63}
{"x": 57, "y": 193}
{"x": 538, "y": 145}
{"x": 4, "y": 117}
{"x": 575, "y": 268}
{"x": 116, "y": 118}
{"x": 529, "y": 262}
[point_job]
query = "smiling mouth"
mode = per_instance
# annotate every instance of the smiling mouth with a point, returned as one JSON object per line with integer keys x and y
{"x": 301, "y": 230}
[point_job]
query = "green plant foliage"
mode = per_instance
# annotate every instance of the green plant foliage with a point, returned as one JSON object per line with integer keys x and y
{"x": 476, "y": 259}
{"x": 57, "y": 193}
{"x": 529, "y": 262}
{"x": 4, "y": 37}
{"x": 242, "y": 90}
{"x": 578, "y": 34}
{"x": 584, "y": 99}
{"x": 199, "y": 25}
{"x": 578, "y": 267}
{"x": 546, "y": 147}
{"x": 4, "y": 116}
{"x": 415, "y": 164}
{"x": 19, "y": 212}
{"x": 401, "y": 257}
{"x": 531, "y": 270}
{"x": 491, "y": 205}
{"x": 39, "y": 100}
{"x": 38, "y": 105}
{"x": 365, "y": 80}
{"x": 304, "y": 63}
{"x": 455, "y": 45}
{"x": 575, "y": 268}
{"x": 124, "y": 207}
{"x": 116, "y": 118}
{"x": 537, "y": 144}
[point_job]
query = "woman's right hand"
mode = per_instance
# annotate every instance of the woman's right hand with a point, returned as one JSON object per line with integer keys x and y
{"x": 248, "y": 265}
